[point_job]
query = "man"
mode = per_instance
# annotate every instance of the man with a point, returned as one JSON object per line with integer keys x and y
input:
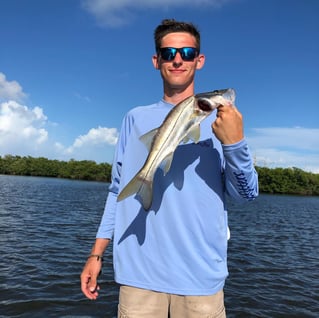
{"x": 172, "y": 260}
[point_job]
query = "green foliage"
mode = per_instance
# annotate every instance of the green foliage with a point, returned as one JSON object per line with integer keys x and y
{"x": 287, "y": 181}
{"x": 79, "y": 170}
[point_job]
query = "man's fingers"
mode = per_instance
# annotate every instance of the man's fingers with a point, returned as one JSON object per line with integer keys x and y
{"x": 92, "y": 285}
{"x": 89, "y": 286}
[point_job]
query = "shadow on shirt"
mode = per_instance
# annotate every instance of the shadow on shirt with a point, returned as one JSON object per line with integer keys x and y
{"x": 208, "y": 169}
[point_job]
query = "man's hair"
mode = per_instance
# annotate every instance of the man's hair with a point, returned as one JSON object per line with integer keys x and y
{"x": 170, "y": 26}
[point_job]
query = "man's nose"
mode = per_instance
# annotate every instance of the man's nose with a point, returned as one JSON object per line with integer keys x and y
{"x": 178, "y": 59}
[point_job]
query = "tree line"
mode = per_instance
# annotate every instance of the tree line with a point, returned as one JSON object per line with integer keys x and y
{"x": 275, "y": 181}
{"x": 287, "y": 181}
{"x": 72, "y": 169}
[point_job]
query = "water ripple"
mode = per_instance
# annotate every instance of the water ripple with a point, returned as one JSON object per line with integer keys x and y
{"x": 48, "y": 226}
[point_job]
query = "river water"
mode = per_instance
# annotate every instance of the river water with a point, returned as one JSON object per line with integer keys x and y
{"x": 47, "y": 228}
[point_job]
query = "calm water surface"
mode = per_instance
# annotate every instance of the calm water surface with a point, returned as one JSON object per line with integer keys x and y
{"x": 47, "y": 228}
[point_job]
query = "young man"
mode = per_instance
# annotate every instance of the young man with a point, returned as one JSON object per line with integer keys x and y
{"x": 172, "y": 260}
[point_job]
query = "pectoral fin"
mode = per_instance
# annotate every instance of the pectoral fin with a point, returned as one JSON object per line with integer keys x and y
{"x": 193, "y": 134}
{"x": 147, "y": 138}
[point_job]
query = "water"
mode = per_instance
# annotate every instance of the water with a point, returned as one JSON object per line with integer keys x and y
{"x": 274, "y": 258}
{"x": 47, "y": 228}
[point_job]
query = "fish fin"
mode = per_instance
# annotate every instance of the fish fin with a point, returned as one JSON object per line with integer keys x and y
{"x": 146, "y": 194}
{"x": 140, "y": 186}
{"x": 194, "y": 133}
{"x": 166, "y": 163}
{"x": 147, "y": 138}
{"x": 132, "y": 187}
{"x": 186, "y": 139}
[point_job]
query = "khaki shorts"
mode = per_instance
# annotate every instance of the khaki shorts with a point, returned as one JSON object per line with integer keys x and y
{"x": 142, "y": 303}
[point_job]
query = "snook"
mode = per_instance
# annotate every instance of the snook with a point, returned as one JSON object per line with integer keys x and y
{"x": 181, "y": 124}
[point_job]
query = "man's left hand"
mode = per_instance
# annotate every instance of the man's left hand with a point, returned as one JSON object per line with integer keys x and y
{"x": 228, "y": 126}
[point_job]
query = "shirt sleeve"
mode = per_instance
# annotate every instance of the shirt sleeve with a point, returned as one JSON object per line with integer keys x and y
{"x": 106, "y": 228}
{"x": 241, "y": 179}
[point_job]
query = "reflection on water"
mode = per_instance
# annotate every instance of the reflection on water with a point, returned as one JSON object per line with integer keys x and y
{"x": 47, "y": 228}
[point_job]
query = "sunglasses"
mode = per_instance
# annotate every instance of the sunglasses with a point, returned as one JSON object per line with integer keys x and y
{"x": 187, "y": 53}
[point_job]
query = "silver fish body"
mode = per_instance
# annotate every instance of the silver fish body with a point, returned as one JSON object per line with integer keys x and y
{"x": 181, "y": 124}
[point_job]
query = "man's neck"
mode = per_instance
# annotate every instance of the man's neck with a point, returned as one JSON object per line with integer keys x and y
{"x": 175, "y": 96}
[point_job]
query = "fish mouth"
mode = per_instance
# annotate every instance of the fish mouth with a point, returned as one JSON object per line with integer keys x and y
{"x": 205, "y": 100}
{"x": 204, "y": 105}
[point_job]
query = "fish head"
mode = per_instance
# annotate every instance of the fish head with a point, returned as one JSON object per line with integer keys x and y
{"x": 207, "y": 102}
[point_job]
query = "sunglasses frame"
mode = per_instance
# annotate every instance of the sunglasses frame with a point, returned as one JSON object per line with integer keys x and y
{"x": 172, "y": 51}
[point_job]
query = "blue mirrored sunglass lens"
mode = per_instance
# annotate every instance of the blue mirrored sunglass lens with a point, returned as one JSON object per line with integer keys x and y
{"x": 187, "y": 53}
{"x": 168, "y": 54}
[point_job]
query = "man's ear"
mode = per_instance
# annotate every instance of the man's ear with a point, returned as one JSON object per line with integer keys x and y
{"x": 155, "y": 61}
{"x": 200, "y": 61}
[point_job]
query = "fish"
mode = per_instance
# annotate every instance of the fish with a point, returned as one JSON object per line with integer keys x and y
{"x": 181, "y": 124}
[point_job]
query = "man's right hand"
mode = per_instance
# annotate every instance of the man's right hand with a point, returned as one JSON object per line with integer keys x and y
{"x": 92, "y": 269}
{"x": 89, "y": 275}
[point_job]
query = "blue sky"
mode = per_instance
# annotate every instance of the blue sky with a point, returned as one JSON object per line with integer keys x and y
{"x": 71, "y": 69}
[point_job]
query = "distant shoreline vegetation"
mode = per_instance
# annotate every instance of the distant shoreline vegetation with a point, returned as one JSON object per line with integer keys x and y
{"x": 271, "y": 180}
{"x": 43, "y": 167}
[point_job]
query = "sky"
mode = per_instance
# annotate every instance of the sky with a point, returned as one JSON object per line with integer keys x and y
{"x": 71, "y": 69}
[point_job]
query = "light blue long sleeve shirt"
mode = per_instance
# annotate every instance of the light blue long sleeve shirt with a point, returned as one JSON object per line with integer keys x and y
{"x": 180, "y": 245}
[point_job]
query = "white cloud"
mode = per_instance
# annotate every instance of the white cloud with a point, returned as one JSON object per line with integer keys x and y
{"x": 98, "y": 142}
{"x": 19, "y": 125}
{"x": 96, "y": 136}
{"x": 10, "y": 90}
{"x": 286, "y": 147}
{"x": 111, "y": 13}
{"x": 24, "y": 131}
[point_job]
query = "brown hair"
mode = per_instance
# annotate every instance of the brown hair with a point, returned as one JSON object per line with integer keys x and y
{"x": 170, "y": 26}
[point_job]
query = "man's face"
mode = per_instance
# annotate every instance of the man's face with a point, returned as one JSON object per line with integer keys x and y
{"x": 178, "y": 74}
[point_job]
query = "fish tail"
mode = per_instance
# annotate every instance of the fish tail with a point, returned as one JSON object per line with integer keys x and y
{"x": 140, "y": 186}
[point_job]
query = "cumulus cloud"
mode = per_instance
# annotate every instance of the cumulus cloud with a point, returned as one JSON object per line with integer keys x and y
{"x": 285, "y": 147}
{"x": 95, "y": 136}
{"x": 98, "y": 142}
{"x": 24, "y": 131}
{"x": 120, "y": 12}
{"x": 21, "y": 128}
{"x": 19, "y": 125}
{"x": 10, "y": 90}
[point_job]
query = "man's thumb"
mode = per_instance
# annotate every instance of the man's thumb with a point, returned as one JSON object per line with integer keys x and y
{"x": 92, "y": 284}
